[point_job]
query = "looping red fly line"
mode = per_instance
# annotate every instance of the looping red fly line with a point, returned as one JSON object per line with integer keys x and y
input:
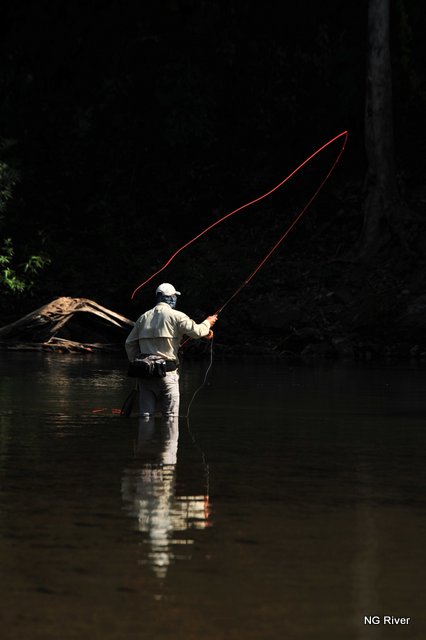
{"x": 343, "y": 135}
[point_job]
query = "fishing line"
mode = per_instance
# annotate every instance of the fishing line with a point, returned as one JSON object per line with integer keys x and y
{"x": 295, "y": 221}
{"x": 343, "y": 134}
{"x": 203, "y": 382}
{"x": 245, "y": 282}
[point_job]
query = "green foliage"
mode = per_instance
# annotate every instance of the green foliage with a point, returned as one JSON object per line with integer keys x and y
{"x": 15, "y": 278}
{"x": 8, "y": 176}
{"x": 20, "y": 278}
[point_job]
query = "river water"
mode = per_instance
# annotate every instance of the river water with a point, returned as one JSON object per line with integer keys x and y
{"x": 291, "y": 504}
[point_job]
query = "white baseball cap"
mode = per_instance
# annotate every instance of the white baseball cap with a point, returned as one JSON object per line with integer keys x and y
{"x": 167, "y": 289}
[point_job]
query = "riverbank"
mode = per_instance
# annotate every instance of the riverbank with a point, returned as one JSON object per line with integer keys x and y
{"x": 315, "y": 298}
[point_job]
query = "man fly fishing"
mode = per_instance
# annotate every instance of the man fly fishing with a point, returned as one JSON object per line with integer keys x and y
{"x": 152, "y": 348}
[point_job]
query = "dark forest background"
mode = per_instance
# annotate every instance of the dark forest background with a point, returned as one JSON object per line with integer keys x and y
{"x": 126, "y": 128}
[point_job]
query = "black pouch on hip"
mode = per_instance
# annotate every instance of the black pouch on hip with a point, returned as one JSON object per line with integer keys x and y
{"x": 147, "y": 367}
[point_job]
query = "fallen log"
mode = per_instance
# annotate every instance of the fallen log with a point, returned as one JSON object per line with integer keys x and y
{"x": 76, "y": 325}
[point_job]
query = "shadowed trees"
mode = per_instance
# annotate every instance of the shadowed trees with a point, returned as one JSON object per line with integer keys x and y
{"x": 136, "y": 124}
{"x": 383, "y": 210}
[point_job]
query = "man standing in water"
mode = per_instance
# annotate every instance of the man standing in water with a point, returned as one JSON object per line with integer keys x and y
{"x": 158, "y": 332}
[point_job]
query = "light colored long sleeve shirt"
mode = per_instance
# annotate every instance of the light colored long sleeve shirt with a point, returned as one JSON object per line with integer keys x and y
{"x": 159, "y": 332}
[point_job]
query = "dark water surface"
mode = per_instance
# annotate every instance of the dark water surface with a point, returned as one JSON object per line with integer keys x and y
{"x": 289, "y": 507}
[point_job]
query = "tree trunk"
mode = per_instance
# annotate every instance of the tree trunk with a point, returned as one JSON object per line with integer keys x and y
{"x": 381, "y": 197}
{"x": 68, "y": 324}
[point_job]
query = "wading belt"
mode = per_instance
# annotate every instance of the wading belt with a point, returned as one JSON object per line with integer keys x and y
{"x": 171, "y": 365}
{"x": 150, "y": 366}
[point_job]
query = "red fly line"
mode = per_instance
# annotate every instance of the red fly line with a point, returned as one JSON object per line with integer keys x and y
{"x": 343, "y": 135}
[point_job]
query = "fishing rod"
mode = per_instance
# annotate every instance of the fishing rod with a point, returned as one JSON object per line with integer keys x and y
{"x": 343, "y": 134}
{"x": 245, "y": 282}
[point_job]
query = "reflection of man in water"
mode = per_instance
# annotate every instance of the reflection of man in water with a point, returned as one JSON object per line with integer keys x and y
{"x": 158, "y": 332}
{"x": 149, "y": 493}
{"x": 157, "y": 442}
